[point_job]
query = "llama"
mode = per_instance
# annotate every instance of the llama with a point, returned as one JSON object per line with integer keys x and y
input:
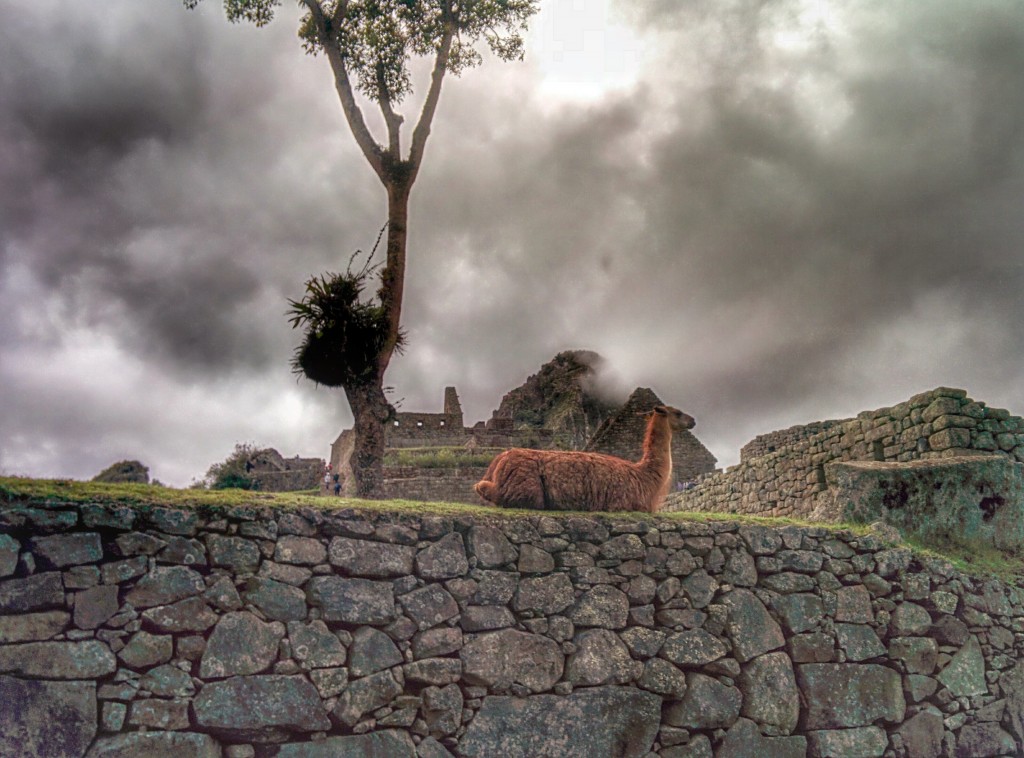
{"x": 576, "y": 481}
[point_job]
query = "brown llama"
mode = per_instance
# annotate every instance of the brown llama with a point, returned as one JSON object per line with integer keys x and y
{"x": 576, "y": 481}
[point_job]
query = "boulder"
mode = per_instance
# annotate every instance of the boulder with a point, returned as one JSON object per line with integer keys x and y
{"x": 744, "y": 740}
{"x": 965, "y": 500}
{"x": 603, "y": 606}
{"x": 964, "y": 675}
{"x": 694, "y": 647}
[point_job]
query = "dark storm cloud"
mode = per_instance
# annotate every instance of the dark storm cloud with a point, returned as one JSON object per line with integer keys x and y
{"x": 750, "y": 227}
{"x": 800, "y": 210}
{"x": 146, "y": 184}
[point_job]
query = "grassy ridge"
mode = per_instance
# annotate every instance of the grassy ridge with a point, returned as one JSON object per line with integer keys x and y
{"x": 978, "y": 560}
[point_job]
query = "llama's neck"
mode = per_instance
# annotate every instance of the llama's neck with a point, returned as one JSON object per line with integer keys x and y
{"x": 657, "y": 455}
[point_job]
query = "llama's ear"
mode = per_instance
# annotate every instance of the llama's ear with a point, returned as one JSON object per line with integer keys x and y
{"x": 661, "y": 410}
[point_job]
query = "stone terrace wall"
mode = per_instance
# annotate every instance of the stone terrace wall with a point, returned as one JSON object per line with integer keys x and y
{"x": 452, "y": 485}
{"x": 783, "y": 473}
{"x": 309, "y": 633}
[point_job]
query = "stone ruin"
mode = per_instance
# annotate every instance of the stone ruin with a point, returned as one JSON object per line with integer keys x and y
{"x": 621, "y": 434}
{"x": 939, "y": 465}
{"x": 272, "y": 472}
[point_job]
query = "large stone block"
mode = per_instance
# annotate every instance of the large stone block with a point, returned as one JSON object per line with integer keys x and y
{"x": 89, "y": 659}
{"x": 544, "y": 594}
{"x": 707, "y": 704}
{"x": 963, "y": 500}
{"x": 603, "y": 606}
{"x": 365, "y": 695}
{"x": 353, "y": 601}
{"x": 33, "y": 593}
{"x": 770, "y": 696}
{"x": 600, "y": 658}
{"x": 258, "y": 707}
{"x": 46, "y": 718}
{"x": 387, "y": 743}
{"x": 371, "y": 559}
{"x": 500, "y": 659}
{"x": 599, "y": 722}
{"x": 861, "y": 742}
{"x": 429, "y": 606}
{"x": 60, "y": 550}
{"x": 964, "y": 675}
{"x": 165, "y": 585}
{"x": 744, "y": 740}
{"x": 156, "y": 745}
{"x": 839, "y": 696}
{"x": 445, "y": 559}
{"x": 750, "y": 627}
{"x": 33, "y": 627}
{"x": 240, "y": 644}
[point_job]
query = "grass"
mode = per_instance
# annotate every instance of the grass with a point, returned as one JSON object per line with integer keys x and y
{"x": 980, "y": 560}
{"x": 443, "y": 457}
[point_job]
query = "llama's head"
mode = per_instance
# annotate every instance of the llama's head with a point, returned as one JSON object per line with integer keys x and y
{"x": 676, "y": 418}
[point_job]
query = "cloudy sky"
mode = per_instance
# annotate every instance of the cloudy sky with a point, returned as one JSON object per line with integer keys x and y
{"x": 769, "y": 211}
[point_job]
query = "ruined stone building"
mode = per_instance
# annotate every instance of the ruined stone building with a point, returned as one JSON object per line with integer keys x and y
{"x": 272, "y": 472}
{"x": 786, "y": 473}
{"x": 621, "y": 433}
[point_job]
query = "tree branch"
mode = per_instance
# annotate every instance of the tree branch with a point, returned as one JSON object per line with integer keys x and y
{"x": 392, "y": 119}
{"x": 371, "y": 149}
{"x": 422, "y": 131}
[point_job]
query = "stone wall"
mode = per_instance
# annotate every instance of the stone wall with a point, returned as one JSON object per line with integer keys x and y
{"x": 448, "y": 485}
{"x": 783, "y": 473}
{"x": 303, "y": 633}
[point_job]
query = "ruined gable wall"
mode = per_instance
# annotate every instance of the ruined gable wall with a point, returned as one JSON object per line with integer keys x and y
{"x": 248, "y": 631}
{"x": 782, "y": 473}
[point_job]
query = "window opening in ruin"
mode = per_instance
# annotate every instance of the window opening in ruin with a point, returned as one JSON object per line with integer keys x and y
{"x": 442, "y": 423}
{"x": 989, "y": 506}
{"x": 819, "y": 475}
{"x": 878, "y": 450}
{"x": 419, "y": 423}
{"x": 398, "y": 423}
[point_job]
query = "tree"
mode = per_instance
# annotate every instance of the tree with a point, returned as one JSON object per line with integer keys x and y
{"x": 369, "y": 45}
{"x": 233, "y": 471}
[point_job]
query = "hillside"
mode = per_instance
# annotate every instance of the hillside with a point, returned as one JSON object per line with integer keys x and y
{"x": 563, "y": 397}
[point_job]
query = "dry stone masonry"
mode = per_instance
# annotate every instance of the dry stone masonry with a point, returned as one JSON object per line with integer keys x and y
{"x": 787, "y": 473}
{"x": 243, "y": 632}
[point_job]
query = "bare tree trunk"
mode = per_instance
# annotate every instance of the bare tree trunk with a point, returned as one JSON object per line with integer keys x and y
{"x": 370, "y": 407}
{"x": 371, "y": 411}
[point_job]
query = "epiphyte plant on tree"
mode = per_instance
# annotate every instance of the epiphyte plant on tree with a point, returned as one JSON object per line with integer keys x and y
{"x": 369, "y": 45}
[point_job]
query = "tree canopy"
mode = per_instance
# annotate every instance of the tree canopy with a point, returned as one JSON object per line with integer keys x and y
{"x": 370, "y": 44}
